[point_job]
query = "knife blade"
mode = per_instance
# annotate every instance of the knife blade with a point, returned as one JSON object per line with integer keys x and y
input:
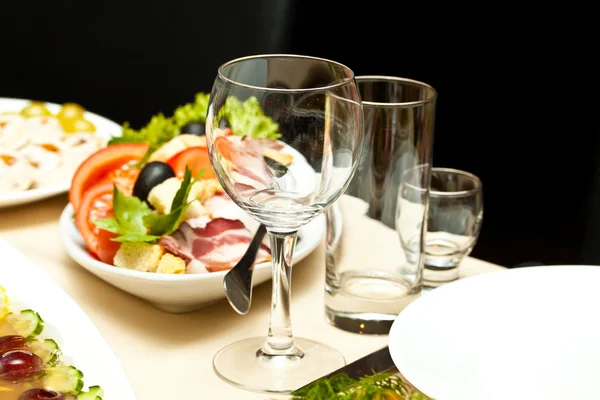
{"x": 379, "y": 361}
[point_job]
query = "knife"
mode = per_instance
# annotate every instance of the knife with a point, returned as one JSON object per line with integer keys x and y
{"x": 379, "y": 361}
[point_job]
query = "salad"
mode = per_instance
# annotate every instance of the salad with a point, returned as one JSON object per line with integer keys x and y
{"x": 38, "y": 148}
{"x": 31, "y": 366}
{"x": 379, "y": 386}
{"x": 150, "y": 200}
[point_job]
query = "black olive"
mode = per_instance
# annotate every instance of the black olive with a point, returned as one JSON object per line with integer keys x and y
{"x": 224, "y": 123}
{"x": 152, "y": 174}
{"x": 194, "y": 128}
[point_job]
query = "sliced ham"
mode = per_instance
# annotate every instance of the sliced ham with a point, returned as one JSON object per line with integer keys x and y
{"x": 247, "y": 156}
{"x": 216, "y": 246}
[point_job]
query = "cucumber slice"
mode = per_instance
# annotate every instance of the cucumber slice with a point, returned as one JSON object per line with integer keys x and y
{"x": 27, "y": 323}
{"x": 93, "y": 393}
{"x": 64, "y": 379}
{"x": 47, "y": 350}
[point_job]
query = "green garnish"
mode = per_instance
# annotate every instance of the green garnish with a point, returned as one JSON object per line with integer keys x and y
{"x": 128, "y": 221}
{"x": 381, "y": 386}
{"x": 135, "y": 222}
{"x": 248, "y": 119}
{"x": 245, "y": 119}
{"x": 161, "y": 129}
{"x": 192, "y": 112}
{"x": 160, "y": 224}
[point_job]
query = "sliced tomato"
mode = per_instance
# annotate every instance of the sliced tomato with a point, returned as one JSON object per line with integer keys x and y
{"x": 97, "y": 167}
{"x": 107, "y": 248}
{"x": 223, "y": 146}
{"x": 124, "y": 178}
{"x": 195, "y": 158}
{"x": 95, "y": 204}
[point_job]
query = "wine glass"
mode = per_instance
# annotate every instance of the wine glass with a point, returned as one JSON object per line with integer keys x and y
{"x": 284, "y": 134}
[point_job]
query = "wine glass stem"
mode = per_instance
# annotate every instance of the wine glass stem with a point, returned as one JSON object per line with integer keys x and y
{"x": 280, "y": 340}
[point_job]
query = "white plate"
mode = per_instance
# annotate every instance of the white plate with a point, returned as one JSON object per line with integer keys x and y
{"x": 80, "y": 341}
{"x": 527, "y": 333}
{"x": 104, "y": 127}
{"x": 175, "y": 293}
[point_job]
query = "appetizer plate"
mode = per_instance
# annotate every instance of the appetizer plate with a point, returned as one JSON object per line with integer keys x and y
{"x": 174, "y": 293}
{"x": 104, "y": 127}
{"x": 526, "y": 333}
{"x": 80, "y": 341}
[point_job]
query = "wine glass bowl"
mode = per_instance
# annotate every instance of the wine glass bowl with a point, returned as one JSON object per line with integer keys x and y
{"x": 284, "y": 134}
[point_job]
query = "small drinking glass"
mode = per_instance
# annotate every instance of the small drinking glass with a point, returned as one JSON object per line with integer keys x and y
{"x": 453, "y": 224}
{"x": 284, "y": 134}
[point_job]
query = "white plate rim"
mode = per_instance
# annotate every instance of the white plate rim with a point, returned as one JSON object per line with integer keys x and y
{"x": 29, "y": 268}
{"x": 311, "y": 234}
{"x": 27, "y": 196}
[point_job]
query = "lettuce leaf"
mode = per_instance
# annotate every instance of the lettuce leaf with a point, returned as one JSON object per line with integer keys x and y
{"x": 248, "y": 119}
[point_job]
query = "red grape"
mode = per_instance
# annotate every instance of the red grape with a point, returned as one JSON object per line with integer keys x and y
{"x": 16, "y": 365}
{"x": 43, "y": 394}
{"x": 12, "y": 342}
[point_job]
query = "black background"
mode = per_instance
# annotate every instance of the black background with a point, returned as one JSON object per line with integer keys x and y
{"x": 516, "y": 100}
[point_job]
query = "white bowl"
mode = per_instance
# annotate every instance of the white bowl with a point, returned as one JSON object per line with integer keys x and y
{"x": 174, "y": 293}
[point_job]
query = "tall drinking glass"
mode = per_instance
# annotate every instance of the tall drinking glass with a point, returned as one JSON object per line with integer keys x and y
{"x": 369, "y": 277}
{"x": 284, "y": 134}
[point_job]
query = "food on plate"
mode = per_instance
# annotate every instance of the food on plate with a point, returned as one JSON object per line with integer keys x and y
{"x": 32, "y": 365}
{"x": 153, "y": 174}
{"x": 38, "y": 149}
{"x": 150, "y": 200}
{"x": 379, "y": 386}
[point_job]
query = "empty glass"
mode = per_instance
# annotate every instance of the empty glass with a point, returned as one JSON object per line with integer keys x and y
{"x": 284, "y": 135}
{"x": 454, "y": 221}
{"x": 369, "y": 279}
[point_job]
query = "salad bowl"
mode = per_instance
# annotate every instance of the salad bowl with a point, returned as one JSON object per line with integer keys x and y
{"x": 148, "y": 215}
{"x": 169, "y": 292}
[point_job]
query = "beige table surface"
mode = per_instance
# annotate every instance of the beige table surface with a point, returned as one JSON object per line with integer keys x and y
{"x": 169, "y": 356}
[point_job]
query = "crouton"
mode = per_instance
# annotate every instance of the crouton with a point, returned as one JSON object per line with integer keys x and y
{"x": 176, "y": 145}
{"x": 282, "y": 158}
{"x": 205, "y": 189}
{"x": 139, "y": 256}
{"x": 161, "y": 197}
{"x": 170, "y": 264}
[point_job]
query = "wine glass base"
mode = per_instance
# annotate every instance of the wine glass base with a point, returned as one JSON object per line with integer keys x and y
{"x": 240, "y": 365}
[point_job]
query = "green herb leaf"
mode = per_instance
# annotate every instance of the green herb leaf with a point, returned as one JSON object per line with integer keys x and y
{"x": 134, "y": 237}
{"x": 108, "y": 224}
{"x": 130, "y": 212}
{"x": 128, "y": 221}
{"x": 166, "y": 224}
{"x": 248, "y": 119}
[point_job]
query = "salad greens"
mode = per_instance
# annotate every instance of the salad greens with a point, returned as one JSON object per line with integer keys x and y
{"x": 134, "y": 221}
{"x": 161, "y": 129}
{"x": 248, "y": 119}
{"x": 381, "y": 386}
{"x": 245, "y": 118}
